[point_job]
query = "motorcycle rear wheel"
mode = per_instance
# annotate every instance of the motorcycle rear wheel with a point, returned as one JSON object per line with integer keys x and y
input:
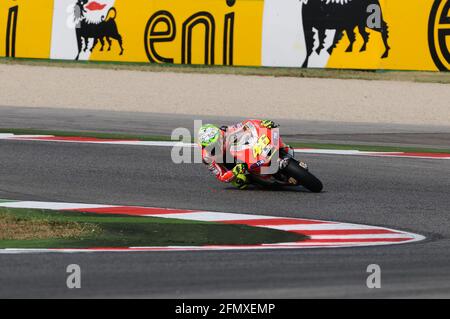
{"x": 303, "y": 177}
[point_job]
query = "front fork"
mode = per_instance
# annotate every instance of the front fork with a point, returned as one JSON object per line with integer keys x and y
{"x": 285, "y": 154}
{"x": 283, "y": 161}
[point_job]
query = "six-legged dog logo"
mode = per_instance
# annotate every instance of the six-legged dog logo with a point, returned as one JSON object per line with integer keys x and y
{"x": 342, "y": 15}
{"x": 97, "y": 22}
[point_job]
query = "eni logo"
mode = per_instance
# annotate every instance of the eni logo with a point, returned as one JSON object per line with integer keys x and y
{"x": 11, "y": 30}
{"x": 161, "y": 27}
{"x": 439, "y": 34}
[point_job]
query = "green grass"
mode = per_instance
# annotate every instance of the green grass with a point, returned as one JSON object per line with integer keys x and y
{"x": 130, "y": 231}
{"x": 412, "y": 76}
{"x": 369, "y": 148}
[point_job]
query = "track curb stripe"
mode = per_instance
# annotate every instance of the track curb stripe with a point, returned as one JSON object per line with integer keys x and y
{"x": 322, "y": 234}
{"x": 91, "y": 140}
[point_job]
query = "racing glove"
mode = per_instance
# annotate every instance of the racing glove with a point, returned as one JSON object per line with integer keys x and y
{"x": 240, "y": 181}
{"x": 269, "y": 124}
{"x": 239, "y": 169}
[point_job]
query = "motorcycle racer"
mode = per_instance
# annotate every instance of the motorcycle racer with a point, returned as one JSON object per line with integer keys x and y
{"x": 215, "y": 141}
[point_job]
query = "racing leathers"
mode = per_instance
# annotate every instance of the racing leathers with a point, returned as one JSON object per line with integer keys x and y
{"x": 230, "y": 171}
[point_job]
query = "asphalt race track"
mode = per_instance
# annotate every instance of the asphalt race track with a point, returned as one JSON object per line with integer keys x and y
{"x": 400, "y": 193}
{"x": 147, "y": 123}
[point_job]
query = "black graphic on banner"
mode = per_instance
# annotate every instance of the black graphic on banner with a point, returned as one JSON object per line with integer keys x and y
{"x": 11, "y": 30}
{"x": 340, "y": 15}
{"x": 164, "y": 20}
{"x": 152, "y": 36}
{"x": 439, "y": 34}
{"x": 208, "y": 22}
{"x": 85, "y": 29}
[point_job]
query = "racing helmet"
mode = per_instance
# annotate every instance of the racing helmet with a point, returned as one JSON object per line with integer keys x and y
{"x": 208, "y": 135}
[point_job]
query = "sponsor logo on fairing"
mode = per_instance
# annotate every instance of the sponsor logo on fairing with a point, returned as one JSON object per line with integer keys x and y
{"x": 257, "y": 164}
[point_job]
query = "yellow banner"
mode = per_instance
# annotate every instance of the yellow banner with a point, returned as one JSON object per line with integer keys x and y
{"x": 404, "y": 26}
{"x": 215, "y": 32}
{"x": 25, "y": 28}
{"x": 363, "y": 34}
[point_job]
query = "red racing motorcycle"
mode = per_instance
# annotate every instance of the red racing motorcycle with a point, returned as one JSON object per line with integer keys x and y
{"x": 269, "y": 161}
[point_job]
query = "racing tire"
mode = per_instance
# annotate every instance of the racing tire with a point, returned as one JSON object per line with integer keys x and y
{"x": 303, "y": 177}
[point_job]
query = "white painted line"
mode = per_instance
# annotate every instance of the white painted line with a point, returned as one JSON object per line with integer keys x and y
{"x": 362, "y": 236}
{"x": 211, "y": 216}
{"x": 304, "y": 245}
{"x": 331, "y": 151}
{"x": 31, "y": 136}
{"x": 409, "y": 156}
{"x": 324, "y": 226}
{"x": 366, "y": 153}
{"x": 155, "y": 143}
{"x": 37, "y": 138}
{"x": 50, "y": 205}
{"x": 131, "y": 143}
{"x": 41, "y": 138}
